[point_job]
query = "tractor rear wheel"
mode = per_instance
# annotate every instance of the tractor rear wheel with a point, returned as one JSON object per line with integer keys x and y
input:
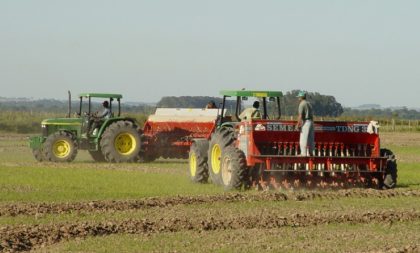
{"x": 233, "y": 169}
{"x": 121, "y": 142}
{"x": 97, "y": 155}
{"x": 60, "y": 147}
{"x": 199, "y": 172}
{"x": 220, "y": 140}
{"x": 390, "y": 177}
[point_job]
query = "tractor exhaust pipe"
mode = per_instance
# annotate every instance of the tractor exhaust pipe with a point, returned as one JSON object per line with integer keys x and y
{"x": 69, "y": 107}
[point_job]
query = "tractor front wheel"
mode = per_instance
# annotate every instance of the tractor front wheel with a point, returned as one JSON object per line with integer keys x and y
{"x": 60, "y": 147}
{"x": 198, "y": 161}
{"x": 38, "y": 154}
{"x": 121, "y": 142}
{"x": 233, "y": 169}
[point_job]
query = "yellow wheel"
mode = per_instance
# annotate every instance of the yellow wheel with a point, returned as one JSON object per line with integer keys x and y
{"x": 61, "y": 149}
{"x": 125, "y": 143}
{"x": 216, "y": 153}
{"x": 198, "y": 161}
{"x": 220, "y": 140}
{"x": 193, "y": 164}
{"x": 120, "y": 142}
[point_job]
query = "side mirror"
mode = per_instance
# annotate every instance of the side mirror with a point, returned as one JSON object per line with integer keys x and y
{"x": 271, "y": 99}
{"x": 244, "y": 98}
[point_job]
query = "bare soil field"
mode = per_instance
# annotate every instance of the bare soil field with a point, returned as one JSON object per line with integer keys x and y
{"x": 120, "y": 205}
{"x": 25, "y": 238}
{"x": 189, "y": 217}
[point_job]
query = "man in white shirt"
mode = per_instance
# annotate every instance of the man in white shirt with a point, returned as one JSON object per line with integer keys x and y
{"x": 306, "y": 125}
{"x": 251, "y": 113}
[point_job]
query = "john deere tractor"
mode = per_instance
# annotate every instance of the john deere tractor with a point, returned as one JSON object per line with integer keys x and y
{"x": 111, "y": 139}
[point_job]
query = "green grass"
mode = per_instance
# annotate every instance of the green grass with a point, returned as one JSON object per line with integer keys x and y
{"x": 408, "y": 169}
{"x": 90, "y": 181}
{"x": 409, "y": 175}
{"x": 76, "y": 184}
{"x": 23, "y": 179}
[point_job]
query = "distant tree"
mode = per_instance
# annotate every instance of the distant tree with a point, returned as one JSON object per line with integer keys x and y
{"x": 401, "y": 113}
{"x": 323, "y": 105}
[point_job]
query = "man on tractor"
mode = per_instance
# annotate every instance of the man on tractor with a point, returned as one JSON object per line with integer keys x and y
{"x": 106, "y": 114}
{"x": 252, "y": 112}
{"x": 96, "y": 120}
{"x": 306, "y": 126}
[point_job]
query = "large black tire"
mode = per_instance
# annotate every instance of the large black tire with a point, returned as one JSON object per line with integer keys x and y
{"x": 199, "y": 172}
{"x": 220, "y": 140}
{"x": 97, "y": 155}
{"x": 234, "y": 171}
{"x": 60, "y": 147}
{"x": 121, "y": 142}
{"x": 39, "y": 156}
{"x": 390, "y": 177}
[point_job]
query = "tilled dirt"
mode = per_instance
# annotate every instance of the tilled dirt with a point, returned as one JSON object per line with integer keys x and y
{"x": 407, "y": 249}
{"x": 23, "y": 238}
{"x": 120, "y": 205}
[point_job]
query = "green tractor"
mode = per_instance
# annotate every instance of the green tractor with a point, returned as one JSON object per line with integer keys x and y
{"x": 111, "y": 139}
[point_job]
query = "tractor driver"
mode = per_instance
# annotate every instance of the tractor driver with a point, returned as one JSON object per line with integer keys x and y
{"x": 106, "y": 114}
{"x": 305, "y": 124}
{"x": 252, "y": 112}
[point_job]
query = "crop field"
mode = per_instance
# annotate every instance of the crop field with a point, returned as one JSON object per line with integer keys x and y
{"x": 99, "y": 207}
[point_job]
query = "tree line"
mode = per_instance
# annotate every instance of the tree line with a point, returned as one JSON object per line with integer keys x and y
{"x": 59, "y": 106}
{"x": 24, "y": 115}
{"x": 323, "y": 105}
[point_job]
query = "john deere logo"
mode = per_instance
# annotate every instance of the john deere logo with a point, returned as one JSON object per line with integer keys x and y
{"x": 260, "y": 94}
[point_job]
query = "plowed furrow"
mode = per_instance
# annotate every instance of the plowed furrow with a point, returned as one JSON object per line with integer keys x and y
{"x": 414, "y": 248}
{"x": 61, "y": 208}
{"x": 23, "y": 238}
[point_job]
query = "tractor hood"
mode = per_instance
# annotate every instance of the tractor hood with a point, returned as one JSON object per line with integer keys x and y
{"x": 62, "y": 122}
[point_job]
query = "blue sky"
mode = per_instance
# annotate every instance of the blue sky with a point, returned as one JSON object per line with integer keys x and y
{"x": 359, "y": 51}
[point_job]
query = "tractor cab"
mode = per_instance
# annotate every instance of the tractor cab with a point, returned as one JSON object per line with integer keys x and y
{"x": 263, "y": 105}
{"x": 96, "y": 109}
